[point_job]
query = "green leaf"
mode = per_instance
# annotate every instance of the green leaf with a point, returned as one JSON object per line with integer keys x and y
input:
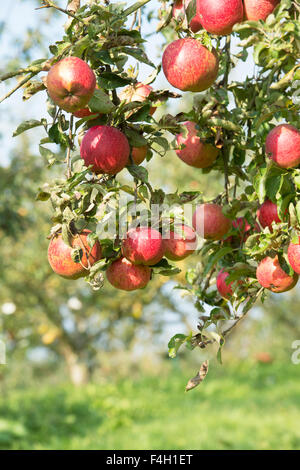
{"x": 110, "y": 81}
{"x": 170, "y": 272}
{"x": 138, "y": 54}
{"x": 48, "y": 155}
{"x": 43, "y": 196}
{"x": 135, "y": 138}
{"x": 57, "y": 136}
{"x": 141, "y": 115}
{"x": 27, "y": 125}
{"x": 191, "y": 10}
{"x": 100, "y": 103}
{"x": 298, "y": 211}
{"x": 175, "y": 342}
{"x": 138, "y": 172}
{"x": 215, "y": 257}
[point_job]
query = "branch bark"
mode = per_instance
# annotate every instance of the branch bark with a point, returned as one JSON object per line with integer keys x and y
{"x": 72, "y": 7}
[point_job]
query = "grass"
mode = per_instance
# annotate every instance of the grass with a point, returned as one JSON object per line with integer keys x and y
{"x": 252, "y": 406}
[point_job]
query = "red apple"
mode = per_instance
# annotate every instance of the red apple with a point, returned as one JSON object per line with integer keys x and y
{"x": 255, "y": 10}
{"x": 180, "y": 245}
{"x": 210, "y": 222}
{"x": 106, "y": 148}
{"x": 139, "y": 154}
{"x": 60, "y": 259}
{"x": 190, "y": 66}
{"x": 195, "y": 153}
{"x": 294, "y": 256}
{"x": 138, "y": 92}
{"x": 178, "y": 10}
{"x": 271, "y": 276}
{"x": 219, "y": 16}
{"x": 267, "y": 214}
{"x": 124, "y": 275}
{"x": 143, "y": 245}
{"x": 71, "y": 83}
{"x": 224, "y": 289}
{"x": 283, "y": 145}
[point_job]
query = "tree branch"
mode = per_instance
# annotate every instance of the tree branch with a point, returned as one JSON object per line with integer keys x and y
{"x": 68, "y": 11}
{"x": 19, "y": 85}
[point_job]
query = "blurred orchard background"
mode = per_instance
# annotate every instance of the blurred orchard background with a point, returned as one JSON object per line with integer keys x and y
{"x": 90, "y": 370}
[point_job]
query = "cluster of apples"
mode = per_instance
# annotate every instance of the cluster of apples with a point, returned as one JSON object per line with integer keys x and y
{"x": 71, "y": 84}
{"x": 283, "y": 147}
{"x": 141, "y": 249}
{"x": 190, "y": 66}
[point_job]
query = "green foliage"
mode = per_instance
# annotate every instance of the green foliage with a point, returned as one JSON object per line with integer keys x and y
{"x": 126, "y": 414}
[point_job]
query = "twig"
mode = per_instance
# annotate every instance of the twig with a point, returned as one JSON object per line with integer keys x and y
{"x": 50, "y": 4}
{"x": 226, "y": 178}
{"x": 133, "y": 21}
{"x": 69, "y": 172}
{"x": 135, "y": 7}
{"x": 19, "y": 85}
{"x": 228, "y": 60}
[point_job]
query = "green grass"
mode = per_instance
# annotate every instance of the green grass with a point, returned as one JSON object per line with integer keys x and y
{"x": 245, "y": 407}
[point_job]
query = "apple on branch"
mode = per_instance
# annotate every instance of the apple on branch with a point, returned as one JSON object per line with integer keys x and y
{"x": 124, "y": 275}
{"x": 195, "y": 152}
{"x": 60, "y": 255}
{"x": 190, "y": 66}
{"x": 106, "y": 148}
{"x": 210, "y": 222}
{"x": 71, "y": 83}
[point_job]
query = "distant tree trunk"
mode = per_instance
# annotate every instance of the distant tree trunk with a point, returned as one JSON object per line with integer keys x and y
{"x": 79, "y": 372}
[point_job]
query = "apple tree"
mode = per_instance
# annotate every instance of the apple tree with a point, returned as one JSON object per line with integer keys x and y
{"x": 245, "y": 129}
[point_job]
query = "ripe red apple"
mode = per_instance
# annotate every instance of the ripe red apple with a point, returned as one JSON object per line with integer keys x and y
{"x": 143, "y": 245}
{"x": 190, "y": 66}
{"x": 178, "y": 10}
{"x": 219, "y": 16}
{"x": 139, "y": 154}
{"x": 71, "y": 83}
{"x": 283, "y": 145}
{"x": 195, "y": 153}
{"x": 60, "y": 259}
{"x": 180, "y": 245}
{"x": 124, "y": 275}
{"x": 267, "y": 214}
{"x": 294, "y": 256}
{"x": 271, "y": 276}
{"x": 224, "y": 289}
{"x": 255, "y": 10}
{"x": 138, "y": 92}
{"x": 210, "y": 223}
{"x": 106, "y": 148}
